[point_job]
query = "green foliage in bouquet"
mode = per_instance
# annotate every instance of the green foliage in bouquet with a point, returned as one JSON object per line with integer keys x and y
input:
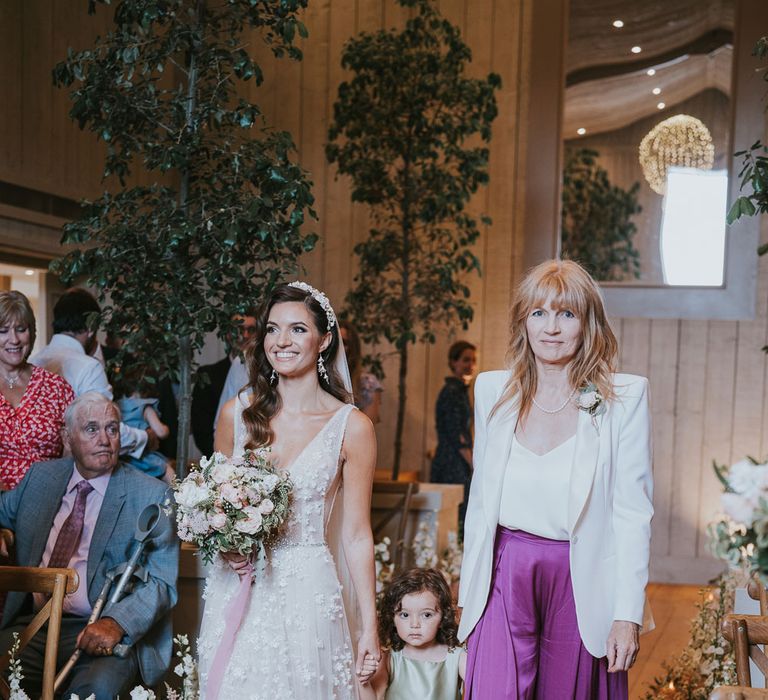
{"x": 220, "y": 218}
{"x": 707, "y": 661}
{"x": 410, "y": 130}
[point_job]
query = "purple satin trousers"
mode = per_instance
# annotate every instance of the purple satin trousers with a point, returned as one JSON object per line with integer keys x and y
{"x": 526, "y": 646}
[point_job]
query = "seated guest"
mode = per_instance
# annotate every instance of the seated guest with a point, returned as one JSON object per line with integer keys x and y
{"x": 32, "y": 399}
{"x": 67, "y": 355}
{"x": 138, "y": 405}
{"x": 88, "y": 505}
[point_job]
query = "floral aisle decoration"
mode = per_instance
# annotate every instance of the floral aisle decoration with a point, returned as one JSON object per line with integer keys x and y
{"x": 186, "y": 670}
{"x": 740, "y": 537}
{"x": 385, "y": 567}
{"x": 425, "y": 554}
{"x": 707, "y": 661}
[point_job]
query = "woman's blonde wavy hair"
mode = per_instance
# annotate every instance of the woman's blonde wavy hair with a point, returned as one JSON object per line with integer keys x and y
{"x": 570, "y": 287}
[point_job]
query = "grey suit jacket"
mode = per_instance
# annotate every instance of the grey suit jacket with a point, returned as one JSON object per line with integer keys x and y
{"x": 144, "y": 614}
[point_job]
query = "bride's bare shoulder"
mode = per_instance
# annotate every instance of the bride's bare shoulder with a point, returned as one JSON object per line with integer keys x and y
{"x": 359, "y": 428}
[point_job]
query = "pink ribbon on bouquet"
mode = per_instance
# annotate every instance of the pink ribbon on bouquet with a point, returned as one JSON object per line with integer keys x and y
{"x": 233, "y": 618}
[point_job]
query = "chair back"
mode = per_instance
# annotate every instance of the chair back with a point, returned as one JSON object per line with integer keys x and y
{"x": 55, "y": 583}
{"x": 401, "y": 493}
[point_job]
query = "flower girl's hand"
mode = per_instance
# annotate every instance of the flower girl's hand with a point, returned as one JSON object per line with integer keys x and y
{"x": 238, "y": 562}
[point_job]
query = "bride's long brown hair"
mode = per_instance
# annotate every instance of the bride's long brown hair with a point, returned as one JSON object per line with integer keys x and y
{"x": 266, "y": 400}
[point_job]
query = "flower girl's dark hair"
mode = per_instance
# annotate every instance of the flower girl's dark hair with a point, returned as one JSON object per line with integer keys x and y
{"x": 266, "y": 400}
{"x": 416, "y": 581}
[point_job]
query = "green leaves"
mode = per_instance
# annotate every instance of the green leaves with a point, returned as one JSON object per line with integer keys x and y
{"x": 222, "y": 216}
{"x": 596, "y": 224}
{"x": 753, "y": 176}
{"x": 402, "y": 128}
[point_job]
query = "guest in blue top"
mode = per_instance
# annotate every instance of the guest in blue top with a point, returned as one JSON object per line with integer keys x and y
{"x": 139, "y": 409}
{"x": 452, "y": 463}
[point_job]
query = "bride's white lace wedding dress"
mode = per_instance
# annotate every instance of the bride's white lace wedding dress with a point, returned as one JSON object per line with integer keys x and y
{"x": 294, "y": 642}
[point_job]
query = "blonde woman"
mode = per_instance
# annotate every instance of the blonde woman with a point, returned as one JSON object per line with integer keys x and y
{"x": 558, "y": 524}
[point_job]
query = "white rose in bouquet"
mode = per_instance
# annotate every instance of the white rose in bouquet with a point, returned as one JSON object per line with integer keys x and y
{"x": 232, "y": 494}
{"x": 222, "y": 473}
{"x": 749, "y": 479}
{"x": 191, "y": 493}
{"x": 266, "y": 506}
{"x": 251, "y": 524}
{"x": 219, "y": 521}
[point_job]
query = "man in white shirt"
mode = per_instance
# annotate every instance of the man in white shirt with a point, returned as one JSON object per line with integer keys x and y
{"x": 66, "y": 356}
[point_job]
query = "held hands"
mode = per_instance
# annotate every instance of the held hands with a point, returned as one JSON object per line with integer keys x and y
{"x": 98, "y": 638}
{"x": 623, "y": 645}
{"x": 368, "y": 657}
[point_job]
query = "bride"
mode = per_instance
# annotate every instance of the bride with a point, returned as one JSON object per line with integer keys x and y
{"x": 295, "y": 641}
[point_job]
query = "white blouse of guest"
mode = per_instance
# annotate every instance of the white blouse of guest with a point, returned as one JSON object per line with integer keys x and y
{"x": 534, "y": 497}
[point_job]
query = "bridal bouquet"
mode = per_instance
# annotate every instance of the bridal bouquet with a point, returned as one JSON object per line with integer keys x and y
{"x": 231, "y": 504}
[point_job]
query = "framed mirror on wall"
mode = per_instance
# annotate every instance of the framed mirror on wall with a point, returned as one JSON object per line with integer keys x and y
{"x": 658, "y": 95}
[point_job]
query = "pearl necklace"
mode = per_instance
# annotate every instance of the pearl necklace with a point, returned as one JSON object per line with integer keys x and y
{"x": 12, "y": 381}
{"x": 556, "y": 410}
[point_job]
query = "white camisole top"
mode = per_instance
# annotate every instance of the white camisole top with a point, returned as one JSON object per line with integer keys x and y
{"x": 534, "y": 497}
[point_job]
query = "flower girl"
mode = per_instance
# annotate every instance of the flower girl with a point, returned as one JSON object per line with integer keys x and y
{"x": 417, "y": 624}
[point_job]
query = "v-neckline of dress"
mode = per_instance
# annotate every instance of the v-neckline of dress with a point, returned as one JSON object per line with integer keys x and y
{"x": 314, "y": 437}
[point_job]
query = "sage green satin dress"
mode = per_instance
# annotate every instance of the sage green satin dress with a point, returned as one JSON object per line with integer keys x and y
{"x": 425, "y": 680}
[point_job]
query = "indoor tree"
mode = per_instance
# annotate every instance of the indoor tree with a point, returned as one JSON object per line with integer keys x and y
{"x": 409, "y": 128}
{"x": 596, "y": 219}
{"x": 221, "y": 220}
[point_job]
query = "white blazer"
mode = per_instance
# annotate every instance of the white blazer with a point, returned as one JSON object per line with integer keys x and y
{"x": 609, "y": 512}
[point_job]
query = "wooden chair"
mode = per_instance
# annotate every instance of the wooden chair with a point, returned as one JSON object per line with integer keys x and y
{"x": 402, "y": 492}
{"x": 746, "y": 633}
{"x": 55, "y": 583}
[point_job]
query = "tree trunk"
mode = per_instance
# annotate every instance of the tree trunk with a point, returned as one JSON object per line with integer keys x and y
{"x": 185, "y": 405}
{"x": 400, "y": 410}
{"x": 185, "y": 342}
{"x": 405, "y": 301}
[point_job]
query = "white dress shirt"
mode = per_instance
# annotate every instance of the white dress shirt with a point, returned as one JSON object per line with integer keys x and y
{"x": 65, "y": 356}
{"x": 77, "y": 603}
{"x": 534, "y": 497}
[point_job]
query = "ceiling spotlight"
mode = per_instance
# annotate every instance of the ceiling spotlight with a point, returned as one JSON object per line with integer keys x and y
{"x": 29, "y": 273}
{"x": 635, "y": 49}
{"x": 656, "y": 91}
{"x": 581, "y": 131}
{"x": 651, "y": 72}
{"x": 618, "y": 23}
{"x": 661, "y": 105}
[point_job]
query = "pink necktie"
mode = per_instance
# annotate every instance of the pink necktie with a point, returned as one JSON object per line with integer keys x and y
{"x": 69, "y": 535}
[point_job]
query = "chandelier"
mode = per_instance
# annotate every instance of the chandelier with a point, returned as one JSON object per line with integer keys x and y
{"x": 681, "y": 141}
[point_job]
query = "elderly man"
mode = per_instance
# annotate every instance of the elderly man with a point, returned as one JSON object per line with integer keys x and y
{"x": 81, "y": 512}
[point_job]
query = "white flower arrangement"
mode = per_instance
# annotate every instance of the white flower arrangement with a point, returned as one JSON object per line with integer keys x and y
{"x": 423, "y": 547}
{"x": 385, "y": 567}
{"x": 426, "y": 556}
{"x": 231, "y": 504}
{"x": 15, "y": 676}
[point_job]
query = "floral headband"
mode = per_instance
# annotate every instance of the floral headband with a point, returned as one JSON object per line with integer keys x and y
{"x": 320, "y": 298}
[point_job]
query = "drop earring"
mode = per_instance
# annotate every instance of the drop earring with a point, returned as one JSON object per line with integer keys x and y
{"x": 321, "y": 369}
{"x": 273, "y": 377}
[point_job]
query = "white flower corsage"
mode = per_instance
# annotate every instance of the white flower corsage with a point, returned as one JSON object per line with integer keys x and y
{"x": 592, "y": 401}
